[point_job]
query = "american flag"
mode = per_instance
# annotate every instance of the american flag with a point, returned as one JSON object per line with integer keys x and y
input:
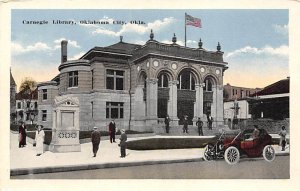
{"x": 192, "y": 21}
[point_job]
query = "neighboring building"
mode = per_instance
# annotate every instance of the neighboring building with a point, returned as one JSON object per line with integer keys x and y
{"x": 242, "y": 110}
{"x": 138, "y": 85}
{"x": 13, "y": 90}
{"x": 27, "y": 107}
{"x": 272, "y": 101}
{"x": 235, "y": 92}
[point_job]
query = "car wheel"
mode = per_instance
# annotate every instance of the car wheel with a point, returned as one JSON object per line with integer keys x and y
{"x": 232, "y": 155}
{"x": 269, "y": 153}
{"x": 206, "y": 155}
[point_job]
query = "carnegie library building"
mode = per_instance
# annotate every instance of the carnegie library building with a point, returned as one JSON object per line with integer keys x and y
{"x": 137, "y": 85}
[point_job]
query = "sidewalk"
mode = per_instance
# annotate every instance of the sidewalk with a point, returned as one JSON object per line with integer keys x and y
{"x": 25, "y": 161}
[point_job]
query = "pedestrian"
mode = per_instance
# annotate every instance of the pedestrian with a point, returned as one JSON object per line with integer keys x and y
{"x": 22, "y": 135}
{"x": 39, "y": 140}
{"x": 122, "y": 144}
{"x": 185, "y": 124}
{"x": 112, "y": 131}
{"x": 282, "y": 141}
{"x": 167, "y": 123}
{"x": 96, "y": 137}
{"x": 199, "y": 123}
{"x": 209, "y": 121}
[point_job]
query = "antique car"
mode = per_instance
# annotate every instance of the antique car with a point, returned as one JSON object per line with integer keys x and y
{"x": 250, "y": 143}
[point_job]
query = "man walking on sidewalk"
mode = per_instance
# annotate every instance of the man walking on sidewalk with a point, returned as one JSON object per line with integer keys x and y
{"x": 112, "y": 131}
{"x": 122, "y": 144}
{"x": 96, "y": 137}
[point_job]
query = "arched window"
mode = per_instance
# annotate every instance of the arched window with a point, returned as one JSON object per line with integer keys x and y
{"x": 208, "y": 84}
{"x": 186, "y": 81}
{"x": 163, "y": 81}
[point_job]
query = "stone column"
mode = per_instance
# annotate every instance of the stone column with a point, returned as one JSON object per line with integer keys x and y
{"x": 217, "y": 107}
{"x": 198, "y": 104}
{"x": 172, "y": 103}
{"x": 139, "y": 108}
{"x": 214, "y": 105}
{"x": 151, "y": 94}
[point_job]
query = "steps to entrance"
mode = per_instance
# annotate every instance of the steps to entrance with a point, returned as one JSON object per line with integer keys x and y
{"x": 178, "y": 130}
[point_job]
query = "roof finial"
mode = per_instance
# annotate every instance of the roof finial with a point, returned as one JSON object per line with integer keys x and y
{"x": 200, "y": 44}
{"x": 151, "y": 35}
{"x": 219, "y": 47}
{"x": 174, "y": 39}
{"x": 121, "y": 38}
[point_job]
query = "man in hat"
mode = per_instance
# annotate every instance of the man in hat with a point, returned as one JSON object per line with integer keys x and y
{"x": 199, "y": 124}
{"x": 112, "y": 131}
{"x": 96, "y": 137}
{"x": 167, "y": 123}
{"x": 122, "y": 144}
{"x": 185, "y": 124}
{"x": 255, "y": 133}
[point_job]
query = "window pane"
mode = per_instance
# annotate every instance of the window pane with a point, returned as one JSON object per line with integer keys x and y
{"x": 114, "y": 103}
{"x": 76, "y": 81}
{"x": 185, "y": 81}
{"x": 165, "y": 81}
{"x": 114, "y": 113}
{"x": 159, "y": 81}
{"x": 119, "y": 73}
{"x": 193, "y": 83}
{"x": 107, "y": 112}
{"x": 110, "y": 72}
{"x": 121, "y": 113}
{"x": 119, "y": 84}
{"x": 70, "y": 82}
{"x": 110, "y": 83}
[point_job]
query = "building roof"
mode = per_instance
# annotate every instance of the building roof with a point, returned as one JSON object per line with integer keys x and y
{"x": 127, "y": 47}
{"x": 12, "y": 80}
{"x": 279, "y": 87}
{"x": 22, "y": 95}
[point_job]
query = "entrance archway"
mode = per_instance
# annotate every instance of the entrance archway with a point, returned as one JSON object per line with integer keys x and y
{"x": 186, "y": 95}
{"x": 162, "y": 94}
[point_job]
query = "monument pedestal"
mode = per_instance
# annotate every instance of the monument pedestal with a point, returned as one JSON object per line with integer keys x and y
{"x": 65, "y": 130}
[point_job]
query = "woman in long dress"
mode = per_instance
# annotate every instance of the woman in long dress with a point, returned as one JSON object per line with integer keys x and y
{"x": 39, "y": 139}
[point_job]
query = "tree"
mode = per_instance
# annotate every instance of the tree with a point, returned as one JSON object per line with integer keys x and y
{"x": 27, "y": 87}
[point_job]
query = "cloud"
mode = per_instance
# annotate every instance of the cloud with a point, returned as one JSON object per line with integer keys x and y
{"x": 282, "y": 51}
{"x": 281, "y": 29}
{"x": 137, "y": 28}
{"x": 18, "y": 48}
{"x": 70, "y": 42}
{"x": 76, "y": 56}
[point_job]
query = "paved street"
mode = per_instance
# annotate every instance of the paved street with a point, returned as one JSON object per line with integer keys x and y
{"x": 245, "y": 169}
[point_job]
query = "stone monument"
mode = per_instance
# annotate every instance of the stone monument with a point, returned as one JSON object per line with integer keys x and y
{"x": 65, "y": 130}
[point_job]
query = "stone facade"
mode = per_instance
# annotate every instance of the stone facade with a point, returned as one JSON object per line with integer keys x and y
{"x": 138, "y": 85}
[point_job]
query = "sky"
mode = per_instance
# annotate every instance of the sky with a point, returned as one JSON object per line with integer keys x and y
{"x": 254, "y": 42}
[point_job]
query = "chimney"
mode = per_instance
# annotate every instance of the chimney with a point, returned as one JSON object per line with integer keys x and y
{"x": 64, "y": 51}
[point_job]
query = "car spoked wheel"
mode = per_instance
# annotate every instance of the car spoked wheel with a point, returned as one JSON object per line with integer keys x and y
{"x": 269, "y": 153}
{"x": 232, "y": 155}
{"x": 207, "y": 154}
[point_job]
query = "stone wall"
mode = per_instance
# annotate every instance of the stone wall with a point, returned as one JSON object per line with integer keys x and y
{"x": 272, "y": 126}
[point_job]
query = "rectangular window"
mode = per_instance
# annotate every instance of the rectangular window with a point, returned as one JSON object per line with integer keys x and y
{"x": 44, "y": 115}
{"x": 232, "y": 91}
{"x": 73, "y": 79}
{"x": 44, "y": 94}
{"x": 92, "y": 110}
{"x": 114, "y": 79}
{"x": 19, "y": 105}
{"x": 92, "y": 79}
{"x": 115, "y": 110}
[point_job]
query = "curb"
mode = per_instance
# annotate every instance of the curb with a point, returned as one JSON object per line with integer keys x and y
{"x": 26, "y": 171}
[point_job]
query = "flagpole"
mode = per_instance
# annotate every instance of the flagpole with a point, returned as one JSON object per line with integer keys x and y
{"x": 185, "y": 29}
